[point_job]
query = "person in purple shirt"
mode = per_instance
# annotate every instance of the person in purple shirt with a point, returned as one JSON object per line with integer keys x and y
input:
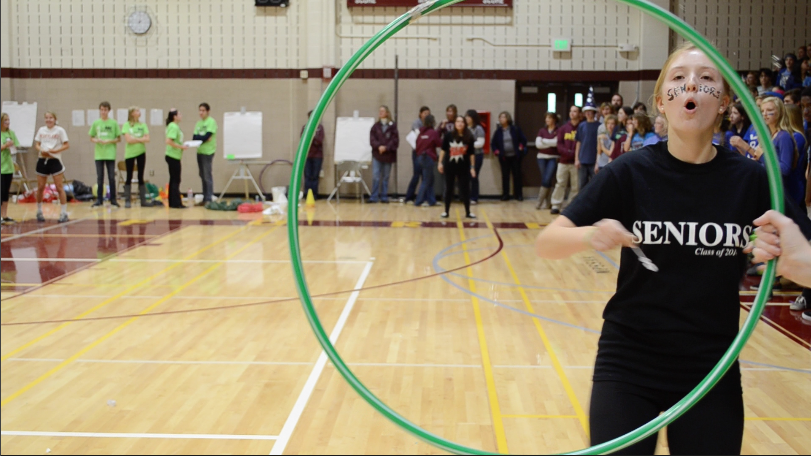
{"x": 384, "y": 139}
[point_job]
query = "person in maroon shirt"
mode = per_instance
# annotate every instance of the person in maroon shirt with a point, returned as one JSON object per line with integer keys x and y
{"x": 384, "y": 139}
{"x": 428, "y": 143}
{"x": 567, "y": 172}
{"x": 315, "y": 158}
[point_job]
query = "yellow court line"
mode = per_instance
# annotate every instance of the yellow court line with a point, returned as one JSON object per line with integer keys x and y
{"x": 767, "y": 418}
{"x": 123, "y": 293}
{"x": 578, "y": 410}
{"x": 489, "y": 378}
{"x": 543, "y": 417}
{"x": 110, "y": 334}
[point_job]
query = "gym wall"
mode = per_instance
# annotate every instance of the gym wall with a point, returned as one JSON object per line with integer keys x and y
{"x": 72, "y": 54}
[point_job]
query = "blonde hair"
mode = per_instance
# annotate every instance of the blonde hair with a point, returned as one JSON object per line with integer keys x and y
{"x": 388, "y": 113}
{"x": 3, "y": 118}
{"x": 53, "y": 114}
{"x": 130, "y": 111}
{"x": 657, "y": 90}
{"x": 795, "y": 118}
{"x": 783, "y": 123}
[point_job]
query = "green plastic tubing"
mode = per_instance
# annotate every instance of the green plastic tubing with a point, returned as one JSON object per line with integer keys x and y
{"x": 776, "y": 196}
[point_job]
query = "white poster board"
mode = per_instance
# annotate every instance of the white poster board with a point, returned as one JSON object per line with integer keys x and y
{"x": 23, "y": 118}
{"x": 352, "y": 139}
{"x": 242, "y": 135}
{"x": 122, "y": 115}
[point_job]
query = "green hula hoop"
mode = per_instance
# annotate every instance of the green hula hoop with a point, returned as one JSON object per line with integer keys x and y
{"x": 776, "y": 197}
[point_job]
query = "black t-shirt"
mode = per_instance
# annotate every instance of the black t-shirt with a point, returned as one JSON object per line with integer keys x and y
{"x": 667, "y": 329}
{"x": 458, "y": 149}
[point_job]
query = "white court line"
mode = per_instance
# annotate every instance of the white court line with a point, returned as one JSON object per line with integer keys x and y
{"x": 282, "y": 363}
{"x": 41, "y": 230}
{"x": 125, "y": 435}
{"x": 307, "y": 391}
{"x": 158, "y": 260}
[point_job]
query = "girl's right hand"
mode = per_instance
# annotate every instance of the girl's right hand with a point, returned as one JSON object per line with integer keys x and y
{"x": 608, "y": 234}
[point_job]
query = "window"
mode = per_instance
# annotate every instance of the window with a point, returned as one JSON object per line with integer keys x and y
{"x": 552, "y": 102}
{"x": 578, "y": 99}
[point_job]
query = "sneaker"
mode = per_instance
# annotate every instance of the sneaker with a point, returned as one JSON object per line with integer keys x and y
{"x": 520, "y": 198}
{"x": 474, "y": 202}
{"x": 8, "y": 220}
{"x": 114, "y": 203}
{"x": 63, "y": 218}
{"x": 554, "y": 211}
{"x": 444, "y": 215}
{"x": 385, "y": 201}
{"x": 471, "y": 215}
{"x": 97, "y": 204}
{"x": 40, "y": 217}
{"x": 127, "y": 204}
{"x": 505, "y": 198}
{"x": 807, "y": 316}
{"x": 799, "y": 304}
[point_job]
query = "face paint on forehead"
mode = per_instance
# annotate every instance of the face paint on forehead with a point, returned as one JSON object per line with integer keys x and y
{"x": 678, "y": 91}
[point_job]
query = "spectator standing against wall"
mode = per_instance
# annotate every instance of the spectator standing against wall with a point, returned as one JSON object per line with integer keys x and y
{"x": 105, "y": 134}
{"x": 546, "y": 142}
{"x": 136, "y": 135}
{"x": 585, "y": 157}
{"x": 567, "y": 173}
{"x": 174, "y": 152}
{"x": 474, "y": 123}
{"x": 315, "y": 158}
{"x": 429, "y": 144}
{"x": 509, "y": 145}
{"x": 385, "y": 139}
{"x": 411, "y": 193}
{"x": 206, "y": 130}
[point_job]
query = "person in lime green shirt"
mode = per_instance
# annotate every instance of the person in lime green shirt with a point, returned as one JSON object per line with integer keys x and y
{"x": 174, "y": 151}
{"x": 105, "y": 133}
{"x": 136, "y": 135}
{"x": 206, "y": 131}
{"x": 9, "y": 141}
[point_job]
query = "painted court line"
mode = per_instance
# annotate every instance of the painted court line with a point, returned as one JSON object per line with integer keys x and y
{"x": 157, "y": 260}
{"x": 126, "y": 435}
{"x": 41, "y": 230}
{"x": 312, "y": 380}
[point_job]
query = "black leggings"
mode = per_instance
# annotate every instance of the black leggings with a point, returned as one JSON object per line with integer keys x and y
{"x": 461, "y": 171}
{"x": 511, "y": 165}
{"x": 174, "y": 182}
{"x": 713, "y": 426}
{"x": 6, "y": 183}
{"x": 131, "y": 162}
{"x": 110, "y": 165}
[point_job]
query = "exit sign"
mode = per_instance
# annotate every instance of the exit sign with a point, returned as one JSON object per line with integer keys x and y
{"x": 561, "y": 45}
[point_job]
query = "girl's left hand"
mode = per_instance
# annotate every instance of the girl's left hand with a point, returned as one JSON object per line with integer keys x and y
{"x": 472, "y": 173}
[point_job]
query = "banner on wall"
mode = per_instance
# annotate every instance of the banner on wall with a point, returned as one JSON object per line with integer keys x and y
{"x": 413, "y": 3}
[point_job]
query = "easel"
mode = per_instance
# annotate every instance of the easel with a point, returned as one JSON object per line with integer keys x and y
{"x": 350, "y": 176}
{"x": 20, "y": 175}
{"x": 243, "y": 173}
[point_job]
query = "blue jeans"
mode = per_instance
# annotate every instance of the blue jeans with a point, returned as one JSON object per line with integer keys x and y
{"x": 548, "y": 167}
{"x": 426, "y": 166}
{"x": 380, "y": 181}
{"x": 204, "y": 162}
{"x": 474, "y": 182}
{"x": 312, "y": 169}
{"x": 585, "y": 174}
{"x": 411, "y": 193}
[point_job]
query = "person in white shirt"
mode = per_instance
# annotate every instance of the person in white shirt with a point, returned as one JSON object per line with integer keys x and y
{"x": 51, "y": 140}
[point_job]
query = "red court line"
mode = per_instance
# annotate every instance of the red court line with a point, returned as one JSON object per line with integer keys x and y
{"x": 786, "y": 324}
{"x": 253, "y": 304}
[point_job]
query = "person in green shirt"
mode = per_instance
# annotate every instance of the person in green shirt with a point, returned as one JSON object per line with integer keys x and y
{"x": 136, "y": 135}
{"x": 206, "y": 131}
{"x": 174, "y": 151}
{"x": 9, "y": 141}
{"x": 105, "y": 133}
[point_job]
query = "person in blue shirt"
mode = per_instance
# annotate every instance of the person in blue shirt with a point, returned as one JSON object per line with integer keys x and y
{"x": 585, "y": 156}
{"x": 659, "y": 131}
{"x": 642, "y": 130}
{"x": 774, "y": 113}
{"x": 739, "y": 124}
{"x": 788, "y": 77}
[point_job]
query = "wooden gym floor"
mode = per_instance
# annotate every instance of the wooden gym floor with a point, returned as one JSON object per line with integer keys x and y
{"x": 497, "y": 356}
